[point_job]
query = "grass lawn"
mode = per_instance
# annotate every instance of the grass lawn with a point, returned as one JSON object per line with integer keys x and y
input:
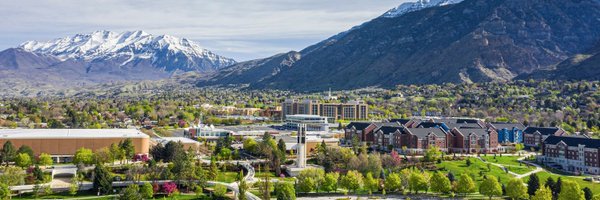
{"x": 62, "y": 195}
{"x": 477, "y": 166}
{"x": 227, "y": 177}
{"x": 511, "y": 163}
{"x": 504, "y": 160}
{"x": 544, "y": 176}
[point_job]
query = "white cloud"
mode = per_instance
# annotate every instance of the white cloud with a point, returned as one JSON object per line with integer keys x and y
{"x": 244, "y": 29}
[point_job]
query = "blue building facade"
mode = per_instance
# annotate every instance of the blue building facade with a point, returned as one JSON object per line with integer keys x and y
{"x": 509, "y": 132}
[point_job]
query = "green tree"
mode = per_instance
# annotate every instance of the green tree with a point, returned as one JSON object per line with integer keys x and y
{"x": 128, "y": 149}
{"x": 543, "y": 193}
{"x": 352, "y": 181}
{"x": 516, "y": 189}
{"x": 45, "y": 159}
{"x": 465, "y": 184}
{"x": 73, "y": 187}
{"x": 119, "y": 154}
{"x": 432, "y": 154}
{"x": 570, "y": 190}
{"x": 533, "y": 184}
{"x": 243, "y": 187}
{"x": 8, "y": 152}
{"x": 589, "y": 195}
{"x": 26, "y": 149}
{"x": 131, "y": 192}
{"x": 102, "y": 181}
{"x": 393, "y": 182}
{"x": 440, "y": 183}
{"x": 285, "y": 191}
{"x": 371, "y": 184}
{"x": 250, "y": 145}
{"x": 147, "y": 191}
{"x": 306, "y": 184}
{"x": 490, "y": 187}
{"x": 330, "y": 182}
{"x": 213, "y": 170}
{"x": 220, "y": 190}
{"x": 417, "y": 182}
{"x": 84, "y": 156}
{"x": 317, "y": 175}
{"x": 4, "y": 191}
{"x": 23, "y": 160}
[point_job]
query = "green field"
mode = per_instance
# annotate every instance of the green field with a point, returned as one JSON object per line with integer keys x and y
{"x": 227, "y": 177}
{"x": 477, "y": 167}
{"x": 511, "y": 163}
{"x": 503, "y": 160}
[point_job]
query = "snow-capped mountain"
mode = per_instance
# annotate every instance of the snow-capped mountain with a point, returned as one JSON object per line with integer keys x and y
{"x": 164, "y": 51}
{"x": 418, "y": 5}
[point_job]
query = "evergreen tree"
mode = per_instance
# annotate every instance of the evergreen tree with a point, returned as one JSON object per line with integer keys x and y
{"x": 557, "y": 187}
{"x": 588, "y": 193}
{"x": 131, "y": 192}
{"x": 533, "y": 184}
{"x": 26, "y": 149}
{"x": 213, "y": 170}
{"x": 102, "y": 180}
{"x": 243, "y": 187}
{"x": 8, "y": 152}
{"x": 128, "y": 148}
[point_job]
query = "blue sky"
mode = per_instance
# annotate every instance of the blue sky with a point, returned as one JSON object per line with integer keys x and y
{"x": 241, "y": 29}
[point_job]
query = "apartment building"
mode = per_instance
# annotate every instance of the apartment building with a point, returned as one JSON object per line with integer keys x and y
{"x": 575, "y": 154}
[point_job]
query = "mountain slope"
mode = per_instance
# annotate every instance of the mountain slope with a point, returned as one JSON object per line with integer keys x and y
{"x": 584, "y": 66}
{"x": 472, "y": 41}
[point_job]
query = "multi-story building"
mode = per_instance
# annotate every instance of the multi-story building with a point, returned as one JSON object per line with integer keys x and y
{"x": 534, "y": 136}
{"x": 334, "y": 111}
{"x": 573, "y": 154}
{"x": 388, "y": 136}
{"x": 508, "y": 132}
{"x": 312, "y": 122}
{"x": 470, "y": 140}
{"x": 418, "y": 140}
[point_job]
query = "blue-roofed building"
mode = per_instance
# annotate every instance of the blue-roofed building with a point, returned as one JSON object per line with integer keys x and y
{"x": 508, "y": 132}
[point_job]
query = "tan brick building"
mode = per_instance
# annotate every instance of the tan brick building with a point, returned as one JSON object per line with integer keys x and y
{"x": 63, "y": 143}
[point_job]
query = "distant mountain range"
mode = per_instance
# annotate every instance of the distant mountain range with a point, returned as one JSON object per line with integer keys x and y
{"x": 422, "y": 42}
{"x": 436, "y": 41}
{"x": 104, "y": 56}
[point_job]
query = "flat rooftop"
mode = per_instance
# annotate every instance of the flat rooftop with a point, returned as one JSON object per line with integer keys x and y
{"x": 70, "y": 133}
{"x": 178, "y": 139}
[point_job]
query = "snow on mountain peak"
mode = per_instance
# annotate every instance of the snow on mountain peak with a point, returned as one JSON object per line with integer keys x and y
{"x": 415, "y": 6}
{"x": 131, "y": 44}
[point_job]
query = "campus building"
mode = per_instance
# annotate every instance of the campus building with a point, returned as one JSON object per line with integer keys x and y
{"x": 508, "y": 133}
{"x": 533, "y": 137}
{"x": 62, "y": 144}
{"x": 575, "y": 154}
{"x": 312, "y": 122}
{"x": 333, "y": 111}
